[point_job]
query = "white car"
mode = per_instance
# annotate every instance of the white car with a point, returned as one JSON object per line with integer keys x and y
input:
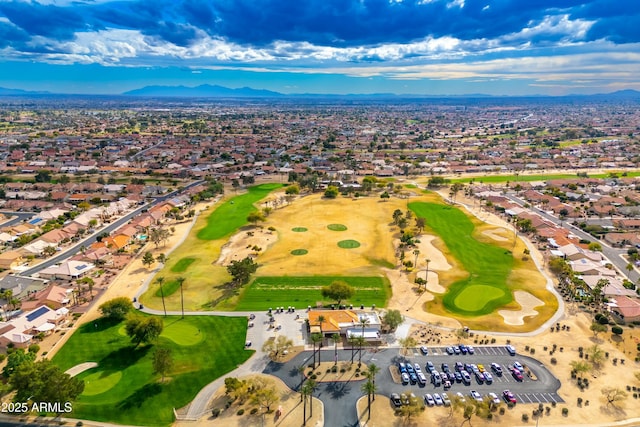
{"x": 428, "y": 399}
{"x": 518, "y": 366}
{"x": 494, "y": 398}
{"x": 460, "y": 397}
{"x": 445, "y": 399}
{"x": 475, "y": 395}
{"x": 438, "y": 399}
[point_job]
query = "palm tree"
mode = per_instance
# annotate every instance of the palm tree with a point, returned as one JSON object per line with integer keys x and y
{"x": 352, "y": 341}
{"x": 159, "y": 280}
{"x": 321, "y": 319}
{"x": 335, "y": 338}
{"x": 304, "y": 393}
{"x": 370, "y": 388}
{"x": 315, "y": 338}
{"x": 300, "y": 370}
{"x": 180, "y": 281}
{"x": 360, "y": 341}
{"x": 372, "y": 370}
{"x": 416, "y": 252}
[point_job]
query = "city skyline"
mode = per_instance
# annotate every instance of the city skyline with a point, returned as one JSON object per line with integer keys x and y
{"x": 427, "y": 47}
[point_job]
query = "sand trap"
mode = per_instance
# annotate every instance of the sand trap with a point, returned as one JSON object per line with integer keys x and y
{"x": 527, "y": 302}
{"x": 240, "y": 244}
{"x": 437, "y": 260}
{"x": 494, "y": 234}
{"x": 78, "y": 369}
{"x": 433, "y": 284}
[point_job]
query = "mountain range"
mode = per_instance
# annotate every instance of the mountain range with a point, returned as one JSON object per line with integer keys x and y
{"x": 216, "y": 91}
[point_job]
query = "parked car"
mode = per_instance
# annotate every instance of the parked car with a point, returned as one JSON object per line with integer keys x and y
{"x": 405, "y": 398}
{"x": 410, "y": 368}
{"x": 517, "y": 375}
{"x": 470, "y": 349}
{"x": 460, "y": 397}
{"x": 445, "y": 368}
{"x": 497, "y": 369}
{"x": 446, "y": 385}
{"x": 466, "y": 378}
{"x": 402, "y": 368}
{"x": 395, "y": 399}
{"x": 405, "y": 378}
{"x": 459, "y": 366}
{"x": 456, "y": 349}
{"x": 463, "y": 349}
{"x": 416, "y": 367}
{"x": 449, "y": 350}
{"x": 424, "y": 350}
{"x": 481, "y": 367}
{"x": 458, "y": 377}
{"x": 438, "y": 399}
{"x": 479, "y": 377}
{"x": 511, "y": 350}
{"x": 436, "y": 379}
{"x": 413, "y": 378}
{"x": 422, "y": 380}
{"x": 428, "y": 400}
{"x": 445, "y": 399}
{"x": 508, "y": 396}
{"x": 518, "y": 366}
{"x": 487, "y": 377}
{"x": 430, "y": 367}
{"x": 475, "y": 395}
{"x": 494, "y": 398}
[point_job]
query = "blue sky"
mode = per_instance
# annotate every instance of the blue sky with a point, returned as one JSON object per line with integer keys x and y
{"x": 433, "y": 47}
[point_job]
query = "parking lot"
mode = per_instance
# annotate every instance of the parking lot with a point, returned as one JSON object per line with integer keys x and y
{"x": 542, "y": 387}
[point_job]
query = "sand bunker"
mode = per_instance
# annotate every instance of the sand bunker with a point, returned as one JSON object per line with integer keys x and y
{"x": 437, "y": 260}
{"x": 495, "y": 235}
{"x": 433, "y": 284}
{"x": 241, "y": 244}
{"x": 80, "y": 368}
{"x": 527, "y": 302}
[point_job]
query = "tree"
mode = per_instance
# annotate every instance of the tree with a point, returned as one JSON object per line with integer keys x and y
{"x": 414, "y": 408}
{"x": 49, "y": 251}
{"x": 393, "y": 319}
{"x": 158, "y": 235}
{"x": 454, "y": 190}
{"x": 613, "y": 395}
{"x": 420, "y": 223}
{"x": 416, "y": 252}
{"x": 307, "y": 392}
{"x": 336, "y": 338}
{"x": 42, "y": 381}
{"x": 408, "y": 342}
{"x": 385, "y": 196}
{"x": 315, "y": 339}
{"x": 237, "y": 389}
{"x": 596, "y": 356}
{"x": 331, "y": 192}
{"x": 16, "y": 359}
{"x": 117, "y": 308}
{"x": 43, "y": 176}
{"x": 370, "y": 389}
{"x": 264, "y": 392}
{"x": 277, "y": 347}
{"x": 161, "y": 258}
{"x": 580, "y": 367}
{"x": 256, "y": 216}
{"x": 397, "y": 214}
{"x": 148, "y": 259}
{"x": 143, "y": 329}
{"x": 595, "y": 246}
{"x": 180, "y": 281}
{"x": 337, "y": 291}
{"x": 293, "y": 189}
{"x": 160, "y": 280}
{"x": 241, "y": 270}
{"x": 372, "y": 371}
{"x": 162, "y": 361}
{"x": 360, "y": 342}
{"x": 597, "y": 328}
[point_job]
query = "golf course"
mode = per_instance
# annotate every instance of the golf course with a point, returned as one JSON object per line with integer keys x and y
{"x": 123, "y": 387}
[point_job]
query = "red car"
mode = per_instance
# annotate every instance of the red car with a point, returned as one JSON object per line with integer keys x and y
{"x": 517, "y": 374}
{"x": 508, "y": 396}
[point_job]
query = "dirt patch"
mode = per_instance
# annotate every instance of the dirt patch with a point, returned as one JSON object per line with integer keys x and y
{"x": 246, "y": 243}
{"x": 495, "y": 235}
{"x": 527, "y": 302}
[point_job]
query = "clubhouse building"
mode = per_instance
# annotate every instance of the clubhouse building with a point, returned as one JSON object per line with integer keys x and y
{"x": 346, "y": 323}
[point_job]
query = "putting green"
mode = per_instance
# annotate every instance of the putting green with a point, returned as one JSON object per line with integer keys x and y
{"x": 299, "y": 229}
{"x": 337, "y": 227}
{"x": 182, "y": 333}
{"x": 299, "y": 252}
{"x": 182, "y": 265}
{"x": 97, "y": 382}
{"x": 468, "y": 299}
{"x": 349, "y": 244}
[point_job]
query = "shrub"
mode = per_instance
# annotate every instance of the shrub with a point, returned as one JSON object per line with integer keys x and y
{"x": 616, "y": 330}
{"x": 554, "y": 361}
{"x": 240, "y": 411}
{"x": 253, "y": 411}
{"x": 525, "y": 417}
{"x": 565, "y": 411}
{"x": 215, "y": 412}
{"x": 79, "y": 424}
{"x": 34, "y": 348}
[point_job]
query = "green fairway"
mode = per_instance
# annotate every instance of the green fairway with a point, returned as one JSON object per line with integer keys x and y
{"x": 488, "y": 265}
{"x": 349, "y": 244}
{"x": 337, "y": 227}
{"x": 232, "y": 214}
{"x": 123, "y": 388}
{"x": 168, "y": 288}
{"x": 513, "y": 179}
{"x": 299, "y": 252}
{"x": 302, "y": 291}
{"x": 182, "y": 264}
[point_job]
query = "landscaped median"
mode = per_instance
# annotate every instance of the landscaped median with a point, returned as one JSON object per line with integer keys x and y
{"x": 123, "y": 387}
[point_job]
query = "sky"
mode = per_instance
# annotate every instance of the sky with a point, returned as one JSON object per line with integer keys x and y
{"x": 430, "y": 47}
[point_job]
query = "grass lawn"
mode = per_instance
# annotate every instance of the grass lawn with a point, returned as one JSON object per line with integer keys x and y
{"x": 487, "y": 265}
{"x": 168, "y": 288}
{"x": 123, "y": 388}
{"x": 348, "y": 244}
{"x": 302, "y": 291}
{"x": 513, "y": 180}
{"x": 232, "y": 214}
{"x": 337, "y": 227}
{"x": 182, "y": 264}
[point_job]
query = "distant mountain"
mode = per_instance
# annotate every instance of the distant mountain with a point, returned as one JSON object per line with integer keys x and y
{"x": 626, "y": 93}
{"x": 204, "y": 91}
{"x": 5, "y": 91}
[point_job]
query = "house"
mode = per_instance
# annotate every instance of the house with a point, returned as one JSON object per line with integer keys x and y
{"x": 21, "y": 285}
{"x": 627, "y": 308}
{"x": 347, "y": 323}
{"x": 10, "y": 260}
{"x": 574, "y": 252}
{"x": 68, "y": 270}
{"x": 52, "y": 296}
{"x": 20, "y": 330}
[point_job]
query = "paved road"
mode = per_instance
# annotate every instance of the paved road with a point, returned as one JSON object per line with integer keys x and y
{"x": 16, "y": 217}
{"x": 614, "y": 255}
{"x": 69, "y": 252}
